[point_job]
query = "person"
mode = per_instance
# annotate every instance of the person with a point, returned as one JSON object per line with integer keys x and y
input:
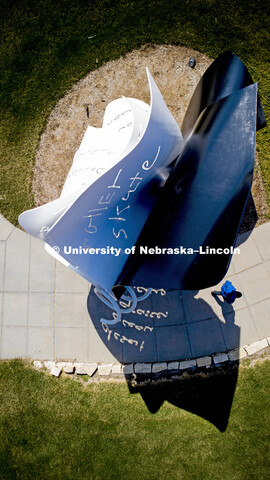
{"x": 228, "y": 292}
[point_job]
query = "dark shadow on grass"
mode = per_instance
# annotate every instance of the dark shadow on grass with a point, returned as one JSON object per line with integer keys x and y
{"x": 207, "y": 392}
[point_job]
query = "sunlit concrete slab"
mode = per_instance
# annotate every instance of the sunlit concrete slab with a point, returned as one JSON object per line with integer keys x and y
{"x": 70, "y": 310}
{"x": 261, "y": 315}
{"x": 71, "y": 343}
{"x": 2, "y": 264}
{"x": 255, "y": 283}
{"x": 40, "y": 343}
{"x": 14, "y": 342}
{"x": 249, "y": 255}
{"x": 42, "y": 268}
{"x": 5, "y": 228}
{"x": 262, "y": 239}
{"x": 15, "y": 309}
{"x": 68, "y": 281}
{"x": 40, "y": 310}
{"x": 17, "y": 262}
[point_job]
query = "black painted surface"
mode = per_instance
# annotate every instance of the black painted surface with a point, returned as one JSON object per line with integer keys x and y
{"x": 202, "y": 202}
{"x": 226, "y": 75}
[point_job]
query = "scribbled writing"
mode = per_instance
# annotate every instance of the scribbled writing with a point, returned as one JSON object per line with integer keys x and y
{"x": 160, "y": 290}
{"x": 126, "y": 323}
{"x": 148, "y": 313}
{"x": 119, "y": 218}
{"x": 121, "y": 338}
{"x": 145, "y": 328}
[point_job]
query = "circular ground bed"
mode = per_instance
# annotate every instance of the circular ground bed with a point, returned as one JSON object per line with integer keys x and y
{"x": 85, "y": 104}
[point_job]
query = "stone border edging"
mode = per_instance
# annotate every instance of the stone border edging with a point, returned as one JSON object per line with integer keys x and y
{"x": 112, "y": 370}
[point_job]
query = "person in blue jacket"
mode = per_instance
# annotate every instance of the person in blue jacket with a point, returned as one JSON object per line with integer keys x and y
{"x": 228, "y": 292}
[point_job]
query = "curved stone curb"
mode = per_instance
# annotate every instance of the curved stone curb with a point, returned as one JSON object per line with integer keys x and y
{"x": 108, "y": 371}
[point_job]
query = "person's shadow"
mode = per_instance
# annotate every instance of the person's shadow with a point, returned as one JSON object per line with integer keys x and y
{"x": 207, "y": 392}
{"x": 226, "y": 308}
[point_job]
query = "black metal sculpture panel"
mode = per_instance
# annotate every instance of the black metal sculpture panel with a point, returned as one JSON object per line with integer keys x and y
{"x": 165, "y": 211}
{"x": 226, "y": 75}
{"x": 200, "y": 207}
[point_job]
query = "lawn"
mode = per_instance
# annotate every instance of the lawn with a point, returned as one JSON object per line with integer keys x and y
{"x": 59, "y": 429}
{"x": 47, "y": 45}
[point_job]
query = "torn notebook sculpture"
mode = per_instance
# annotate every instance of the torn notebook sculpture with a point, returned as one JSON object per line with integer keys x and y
{"x": 145, "y": 203}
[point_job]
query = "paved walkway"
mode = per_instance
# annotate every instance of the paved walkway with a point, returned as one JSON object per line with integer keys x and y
{"x": 44, "y": 313}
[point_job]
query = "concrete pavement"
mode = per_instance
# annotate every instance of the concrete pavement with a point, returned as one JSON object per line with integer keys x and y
{"x": 44, "y": 310}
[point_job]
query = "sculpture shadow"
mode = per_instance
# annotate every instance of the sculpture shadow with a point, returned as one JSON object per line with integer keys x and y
{"x": 168, "y": 326}
{"x": 206, "y": 393}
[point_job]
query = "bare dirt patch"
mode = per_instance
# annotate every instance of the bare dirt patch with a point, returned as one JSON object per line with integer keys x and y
{"x": 126, "y": 76}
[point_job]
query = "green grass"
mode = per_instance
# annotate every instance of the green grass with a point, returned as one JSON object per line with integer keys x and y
{"x": 59, "y": 429}
{"x": 45, "y": 48}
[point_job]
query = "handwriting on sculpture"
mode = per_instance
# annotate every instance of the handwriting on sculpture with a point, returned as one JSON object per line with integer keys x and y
{"x": 106, "y": 199}
{"x": 117, "y": 117}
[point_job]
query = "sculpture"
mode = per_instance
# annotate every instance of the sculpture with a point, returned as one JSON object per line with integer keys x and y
{"x": 130, "y": 159}
{"x": 143, "y": 203}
